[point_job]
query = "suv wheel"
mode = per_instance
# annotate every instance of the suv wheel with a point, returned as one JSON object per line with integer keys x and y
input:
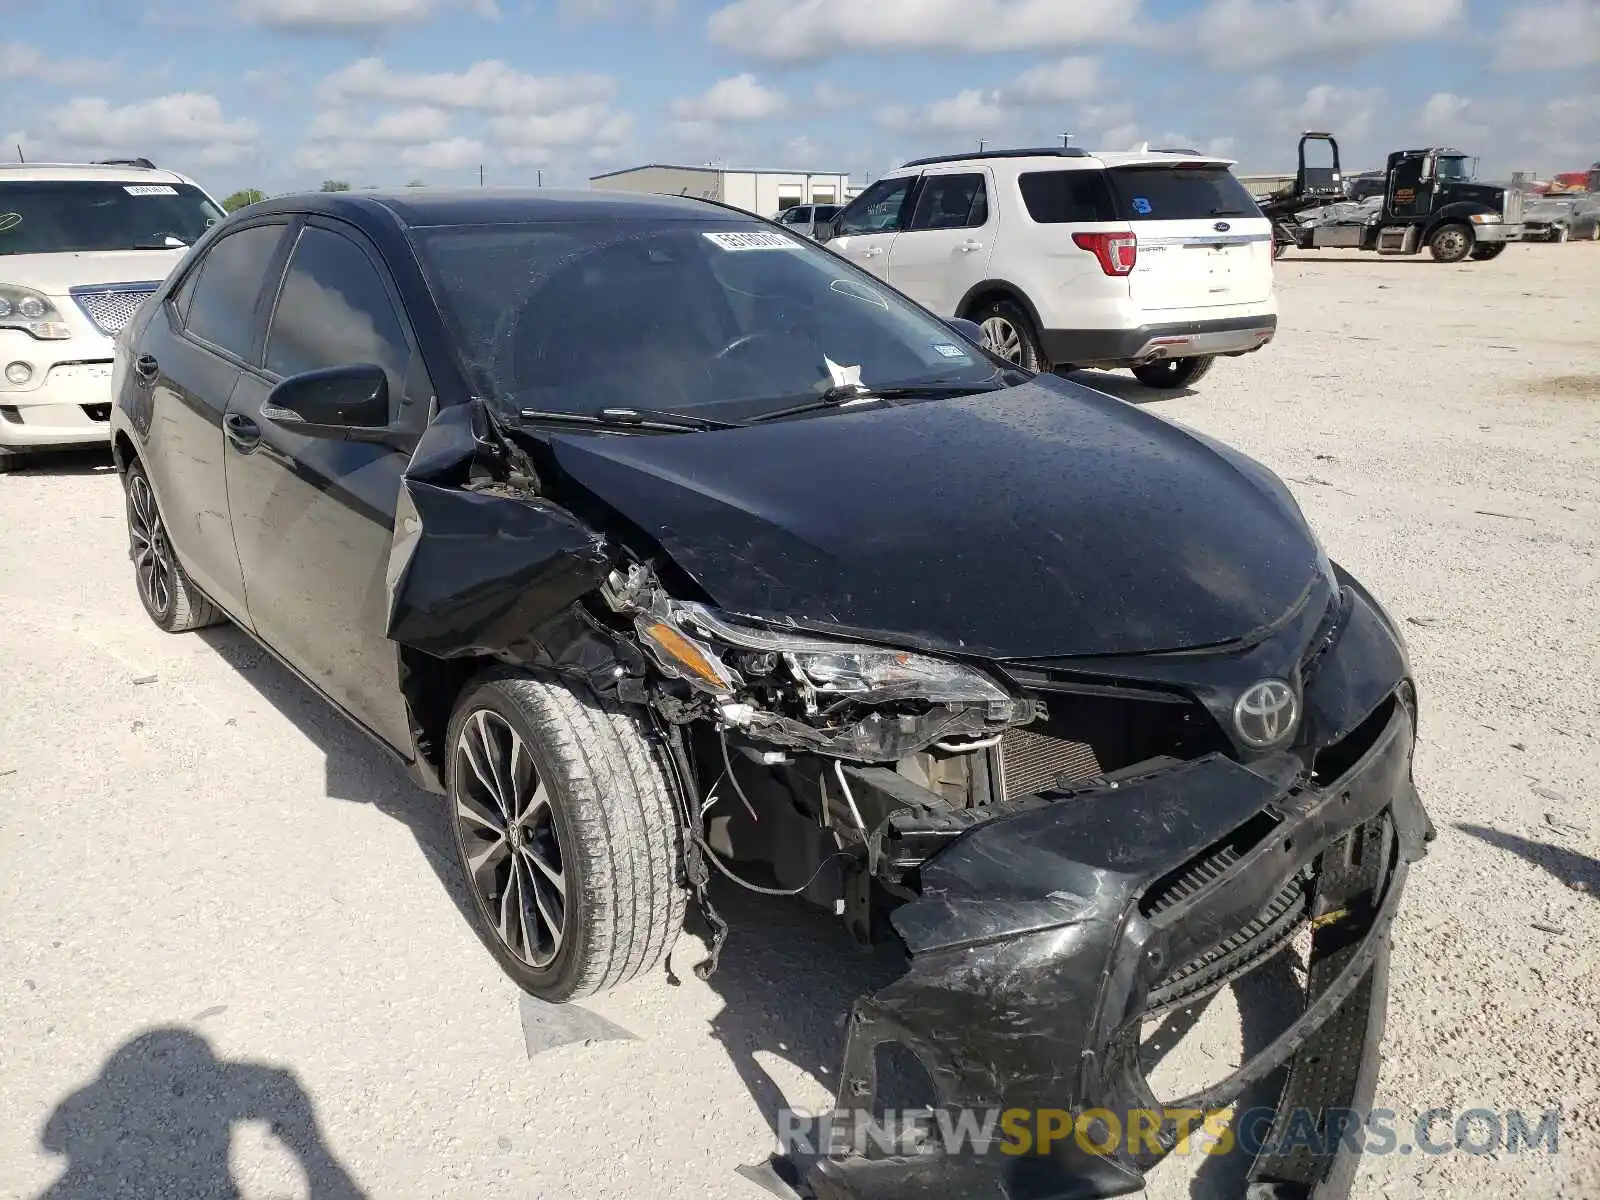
{"x": 1173, "y": 372}
{"x": 1008, "y": 332}
{"x": 567, "y": 832}
{"x": 166, "y": 591}
{"x": 1450, "y": 243}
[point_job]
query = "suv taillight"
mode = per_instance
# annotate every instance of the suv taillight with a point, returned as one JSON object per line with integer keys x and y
{"x": 1117, "y": 252}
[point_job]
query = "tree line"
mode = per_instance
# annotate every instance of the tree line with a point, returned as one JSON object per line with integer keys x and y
{"x": 246, "y": 196}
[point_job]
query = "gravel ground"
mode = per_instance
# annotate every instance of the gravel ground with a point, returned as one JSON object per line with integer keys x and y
{"x": 229, "y": 943}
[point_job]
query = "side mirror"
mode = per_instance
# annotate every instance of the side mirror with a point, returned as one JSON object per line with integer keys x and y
{"x": 970, "y": 330}
{"x": 337, "y": 402}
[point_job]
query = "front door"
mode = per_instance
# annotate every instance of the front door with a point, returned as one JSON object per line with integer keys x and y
{"x": 194, "y": 350}
{"x": 314, "y": 517}
{"x": 943, "y": 252}
{"x": 1410, "y": 195}
{"x": 866, "y": 230}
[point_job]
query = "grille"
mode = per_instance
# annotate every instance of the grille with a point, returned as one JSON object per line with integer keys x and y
{"x": 1033, "y": 762}
{"x": 1512, "y": 205}
{"x": 111, "y": 308}
{"x": 1268, "y": 931}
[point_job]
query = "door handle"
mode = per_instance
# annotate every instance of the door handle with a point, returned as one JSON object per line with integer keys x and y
{"x": 146, "y": 368}
{"x": 244, "y": 433}
{"x": 872, "y": 252}
{"x": 969, "y": 246}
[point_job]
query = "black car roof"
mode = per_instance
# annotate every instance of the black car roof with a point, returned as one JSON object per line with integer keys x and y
{"x": 422, "y": 207}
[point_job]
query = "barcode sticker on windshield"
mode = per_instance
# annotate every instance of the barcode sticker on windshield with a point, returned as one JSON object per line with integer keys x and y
{"x": 150, "y": 189}
{"x": 755, "y": 240}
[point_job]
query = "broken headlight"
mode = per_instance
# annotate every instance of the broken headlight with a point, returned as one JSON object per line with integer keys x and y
{"x": 692, "y": 642}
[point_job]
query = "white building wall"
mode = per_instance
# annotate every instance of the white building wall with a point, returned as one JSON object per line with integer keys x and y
{"x": 765, "y": 193}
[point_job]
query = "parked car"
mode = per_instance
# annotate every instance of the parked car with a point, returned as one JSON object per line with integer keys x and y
{"x": 804, "y": 218}
{"x": 1156, "y": 261}
{"x": 1561, "y": 219}
{"x": 664, "y": 542}
{"x": 81, "y": 246}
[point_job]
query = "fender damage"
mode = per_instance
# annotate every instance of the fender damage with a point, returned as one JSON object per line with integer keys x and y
{"x": 1041, "y": 928}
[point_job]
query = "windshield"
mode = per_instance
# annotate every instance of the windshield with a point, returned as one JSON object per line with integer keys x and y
{"x": 682, "y": 315}
{"x": 1454, "y": 168}
{"x": 64, "y": 216}
{"x": 1174, "y": 193}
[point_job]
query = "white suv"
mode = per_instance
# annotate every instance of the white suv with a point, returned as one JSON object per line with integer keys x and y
{"x": 81, "y": 246}
{"x": 1159, "y": 261}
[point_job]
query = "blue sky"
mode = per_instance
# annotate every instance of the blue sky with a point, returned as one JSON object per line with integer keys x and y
{"x": 282, "y": 94}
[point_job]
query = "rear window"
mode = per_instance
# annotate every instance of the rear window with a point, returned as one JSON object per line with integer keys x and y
{"x": 65, "y": 216}
{"x": 1168, "y": 193}
{"x": 1056, "y": 197}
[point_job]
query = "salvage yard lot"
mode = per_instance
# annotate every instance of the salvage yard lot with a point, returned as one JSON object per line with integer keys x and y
{"x": 219, "y": 904}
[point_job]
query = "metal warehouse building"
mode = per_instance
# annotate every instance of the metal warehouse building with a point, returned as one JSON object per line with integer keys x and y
{"x": 763, "y": 192}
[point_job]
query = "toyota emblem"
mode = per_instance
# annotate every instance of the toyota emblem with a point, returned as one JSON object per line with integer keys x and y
{"x": 1266, "y": 714}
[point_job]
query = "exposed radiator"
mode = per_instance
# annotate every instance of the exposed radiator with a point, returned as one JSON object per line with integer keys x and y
{"x": 1033, "y": 762}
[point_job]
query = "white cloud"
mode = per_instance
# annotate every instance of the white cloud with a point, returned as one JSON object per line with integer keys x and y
{"x": 537, "y": 138}
{"x": 187, "y": 118}
{"x": 489, "y": 85}
{"x": 24, "y": 63}
{"x": 315, "y": 15}
{"x": 795, "y": 30}
{"x": 1060, "y": 82}
{"x": 451, "y": 154}
{"x": 607, "y": 10}
{"x": 740, "y": 98}
{"x": 1550, "y": 37}
{"x": 416, "y": 124}
{"x": 1252, "y": 33}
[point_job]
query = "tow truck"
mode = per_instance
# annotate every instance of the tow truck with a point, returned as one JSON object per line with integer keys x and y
{"x": 1430, "y": 201}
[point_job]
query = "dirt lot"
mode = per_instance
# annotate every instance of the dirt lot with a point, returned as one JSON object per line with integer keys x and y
{"x": 223, "y": 908}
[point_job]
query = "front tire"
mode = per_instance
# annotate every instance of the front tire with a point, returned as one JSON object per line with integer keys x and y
{"x": 169, "y": 596}
{"x": 1009, "y": 332}
{"x": 1172, "y": 373}
{"x": 567, "y": 833}
{"x": 1486, "y": 252}
{"x": 1450, "y": 243}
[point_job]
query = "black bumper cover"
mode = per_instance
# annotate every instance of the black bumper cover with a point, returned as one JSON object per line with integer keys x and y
{"x": 1039, "y": 940}
{"x": 1120, "y": 347}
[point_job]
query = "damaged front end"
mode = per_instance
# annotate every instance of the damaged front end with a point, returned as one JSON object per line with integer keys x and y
{"x": 1064, "y": 849}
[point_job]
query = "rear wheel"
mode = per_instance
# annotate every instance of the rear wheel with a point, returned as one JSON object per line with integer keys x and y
{"x": 10, "y": 460}
{"x": 567, "y": 832}
{"x": 1485, "y": 253}
{"x": 166, "y": 591}
{"x": 1170, "y": 373}
{"x": 1008, "y": 332}
{"x": 1450, "y": 243}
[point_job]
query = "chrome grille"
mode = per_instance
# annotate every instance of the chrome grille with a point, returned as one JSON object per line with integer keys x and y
{"x": 1032, "y": 762}
{"x": 1512, "y": 205}
{"x": 111, "y": 307}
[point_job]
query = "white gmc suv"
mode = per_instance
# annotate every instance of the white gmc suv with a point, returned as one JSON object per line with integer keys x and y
{"x": 81, "y": 246}
{"x": 1159, "y": 261}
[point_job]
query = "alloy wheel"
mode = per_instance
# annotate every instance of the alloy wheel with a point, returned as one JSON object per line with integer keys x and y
{"x": 1001, "y": 336}
{"x": 150, "y": 548}
{"x": 508, "y": 838}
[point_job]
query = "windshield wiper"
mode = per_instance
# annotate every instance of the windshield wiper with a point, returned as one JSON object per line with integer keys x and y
{"x": 846, "y": 393}
{"x": 1227, "y": 212}
{"x": 653, "y": 420}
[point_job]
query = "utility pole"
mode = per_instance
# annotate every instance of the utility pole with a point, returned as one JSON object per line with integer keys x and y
{"x": 980, "y": 145}
{"x": 480, "y": 174}
{"x": 541, "y": 178}
{"x": 1066, "y": 140}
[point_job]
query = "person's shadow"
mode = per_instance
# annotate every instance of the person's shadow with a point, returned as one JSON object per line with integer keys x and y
{"x": 158, "y": 1121}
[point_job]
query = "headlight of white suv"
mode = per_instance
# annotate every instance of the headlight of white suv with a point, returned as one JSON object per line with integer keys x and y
{"x": 691, "y": 642}
{"x": 32, "y": 312}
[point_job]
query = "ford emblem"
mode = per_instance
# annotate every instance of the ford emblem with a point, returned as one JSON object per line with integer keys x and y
{"x": 1222, "y": 227}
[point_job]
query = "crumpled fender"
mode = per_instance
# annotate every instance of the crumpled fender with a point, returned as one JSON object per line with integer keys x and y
{"x": 480, "y": 567}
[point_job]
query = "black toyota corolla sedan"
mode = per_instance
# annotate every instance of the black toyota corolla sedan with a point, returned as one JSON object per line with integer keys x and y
{"x": 663, "y": 542}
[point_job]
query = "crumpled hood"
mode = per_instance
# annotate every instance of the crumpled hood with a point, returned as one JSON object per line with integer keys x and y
{"x": 55, "y": 274}
{"x": 1044, "y": 520}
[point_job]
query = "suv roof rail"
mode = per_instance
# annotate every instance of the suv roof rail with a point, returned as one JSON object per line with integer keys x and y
{"x": 124, "y": 162}
{"x": 1036, "y": 152}
{"x": 1175, "y": 150}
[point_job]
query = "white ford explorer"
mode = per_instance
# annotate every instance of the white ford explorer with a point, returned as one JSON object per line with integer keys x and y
{"x": 81, "y": 246}
{"x": 1158, "y": 261}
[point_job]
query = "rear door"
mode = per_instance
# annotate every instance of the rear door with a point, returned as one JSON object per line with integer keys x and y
{"x": 944, "y": 250}
{"x": 1203, "y": 243}
{"x": 868, "y": 226}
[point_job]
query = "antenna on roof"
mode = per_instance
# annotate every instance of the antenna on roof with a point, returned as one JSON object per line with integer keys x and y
{"x": 20, "y": 159}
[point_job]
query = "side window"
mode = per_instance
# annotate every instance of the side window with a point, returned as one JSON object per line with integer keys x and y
{"x": 334, "y": 311}
{"x": 951, "y": 202}
{"x": 225, "y": 304}
{"x": 185, "y": 293}
{"x": 798, "y": 216}
{"x": 1060, "y": 197}
{"x": 877, "y": 210}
